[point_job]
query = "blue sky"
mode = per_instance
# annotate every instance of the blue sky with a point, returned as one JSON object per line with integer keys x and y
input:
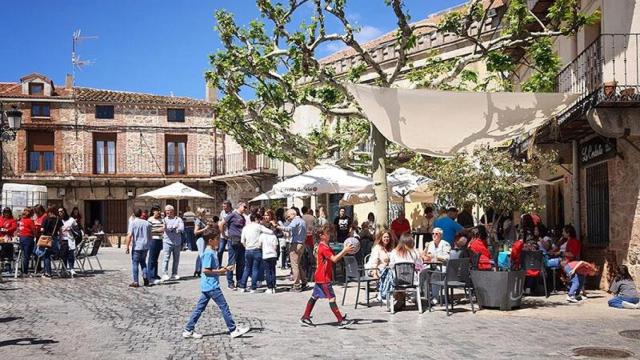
{"x": 155, "y": 46}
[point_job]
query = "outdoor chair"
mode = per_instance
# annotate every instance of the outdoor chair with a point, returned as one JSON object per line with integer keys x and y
{"x": 353, "y": 273}
{"x": 7, "y": 253}
{"x": 534, "y": 260}
{"x": 79, "y": 251}
{"x": 456, "y": 276}
{"x": 403, "y": 282}
{"x": 91, "y": 252}
{"x": 475, "y": 259}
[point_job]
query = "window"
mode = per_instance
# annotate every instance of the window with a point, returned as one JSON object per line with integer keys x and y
{"x": 36, "y": 89}
{"x": 40, "y": 110}
{"x": 104, "y": 111}
{"x": 175, "y": 115}
{"x": 40, "y": 154}
{"x": 598, "y": 204}
{"x": 104, "y": 150}
{"x": 176, "y": 155}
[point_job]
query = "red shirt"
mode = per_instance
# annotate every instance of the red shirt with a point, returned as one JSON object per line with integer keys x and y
{"x": 9, "y": 226}
{"x": 478, "y": 247}
{"x": 26, "y": 227}
{"x": 324, "y": 266}
{"x": 516, "y": 254}
{"x": 573, "y": 246}
{"x": 400, "y": 227}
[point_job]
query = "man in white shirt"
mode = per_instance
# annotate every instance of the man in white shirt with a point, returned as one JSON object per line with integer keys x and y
{"x": 437, "y": 251}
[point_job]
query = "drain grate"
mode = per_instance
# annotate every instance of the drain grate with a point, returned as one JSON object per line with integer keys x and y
{"x": 602, "y": 352}
{"x": 631, "y": 334}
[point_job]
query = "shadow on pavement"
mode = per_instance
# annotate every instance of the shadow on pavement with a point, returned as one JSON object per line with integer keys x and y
{"x": 10, "y": 318}
{"x": 27, "y": 341}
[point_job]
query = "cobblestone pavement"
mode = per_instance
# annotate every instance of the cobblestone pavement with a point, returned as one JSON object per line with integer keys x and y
{"x": 98, "y": 316}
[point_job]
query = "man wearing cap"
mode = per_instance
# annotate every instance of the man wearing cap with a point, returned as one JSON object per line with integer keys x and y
{"x": 449, "y": 226}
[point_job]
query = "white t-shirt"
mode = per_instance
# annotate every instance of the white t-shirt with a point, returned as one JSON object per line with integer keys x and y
{"x": 269, "y": 246}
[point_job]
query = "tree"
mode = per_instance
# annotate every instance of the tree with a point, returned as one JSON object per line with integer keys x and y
{"x": 277, "y": 59}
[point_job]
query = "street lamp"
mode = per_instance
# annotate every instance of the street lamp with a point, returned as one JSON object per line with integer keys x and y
{"x": 10, "y": 122}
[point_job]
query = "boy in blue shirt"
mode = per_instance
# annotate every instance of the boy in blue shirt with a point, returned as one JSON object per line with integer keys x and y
{"x": 210, "y": 287}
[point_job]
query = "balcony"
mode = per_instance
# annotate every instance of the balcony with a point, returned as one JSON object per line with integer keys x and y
{"x": 237, "y": 165}
{"x": 63, "y": 165}
{"x": 606, "y": 74}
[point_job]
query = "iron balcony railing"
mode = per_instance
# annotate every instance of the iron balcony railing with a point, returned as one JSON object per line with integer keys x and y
{"x": 129, "y": 165}
{"x": 245, "y": 162}
{"x": 607, "y": 71}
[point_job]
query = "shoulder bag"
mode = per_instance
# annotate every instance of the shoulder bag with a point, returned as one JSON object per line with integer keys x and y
{"x": 46, "y": 241}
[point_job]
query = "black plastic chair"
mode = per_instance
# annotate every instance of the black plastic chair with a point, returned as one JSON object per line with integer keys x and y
{"x": 403, "y": 281}
{"x": 456, "y": 276}
{"x": 353, "y": 273}
{"x": 88, "y": 254}
{"x": 475, "y": 259}
{"x": 534, "y": 260}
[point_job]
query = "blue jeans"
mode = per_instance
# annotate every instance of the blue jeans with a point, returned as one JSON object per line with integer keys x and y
{"x": 190, "y": 238}
{"x": 168, "y": 250}
{"x": 261, "y": 271}
{"x": 139, "y": 258}
{"x": 155, "y": 247}
{"x": 26, "y": 243}
{"x": 575, "y": 283}
{"x": 616, "y": 301}
{"x": 236, "y": 256}
{"x": 200, "y": 245}
{"x": 221, "y": 248}
{"x": 45, "y": 254}
{"x": 270, "y": 271}
{"x": 252, "y": 262}
{"x": 218, "y": 297}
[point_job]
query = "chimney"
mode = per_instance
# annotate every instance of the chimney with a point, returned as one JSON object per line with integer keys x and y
{"x": 68, "y": 82}
{"x": 210, "y": 93}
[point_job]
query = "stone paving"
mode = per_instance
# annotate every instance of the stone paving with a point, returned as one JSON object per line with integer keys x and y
{"x": 98, "y": 316}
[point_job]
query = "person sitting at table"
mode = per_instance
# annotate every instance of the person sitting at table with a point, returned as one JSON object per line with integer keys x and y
{"x": 380, "y": 252}
{"x": 404, "y": 252}
{"x": 460, "y": 249}
{"x": 366, "y": 239}
{"x": 437, "y": 250}
{"x": 479, "y": 246}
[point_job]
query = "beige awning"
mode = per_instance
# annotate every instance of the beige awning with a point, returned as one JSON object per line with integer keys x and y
{"x": 442, "y": 123}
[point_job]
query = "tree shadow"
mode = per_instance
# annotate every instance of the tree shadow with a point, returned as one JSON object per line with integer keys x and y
{"x": 27, "y": 341}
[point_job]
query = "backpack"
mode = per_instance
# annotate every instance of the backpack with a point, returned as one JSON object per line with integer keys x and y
{"x": 76, "y": 232}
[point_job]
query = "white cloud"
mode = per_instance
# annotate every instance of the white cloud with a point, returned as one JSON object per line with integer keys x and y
{"x": 367, "y": 33}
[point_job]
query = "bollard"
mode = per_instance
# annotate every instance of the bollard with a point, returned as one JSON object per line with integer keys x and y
{"x": 119, "y": 241}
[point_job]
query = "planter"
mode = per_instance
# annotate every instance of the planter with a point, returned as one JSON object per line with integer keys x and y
{"x": 498, "y": 289}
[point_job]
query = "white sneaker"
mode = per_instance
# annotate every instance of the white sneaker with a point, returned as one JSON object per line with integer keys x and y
{"x": 571, "y": 299}
{"x": 252, "y": 291}
{"x": 72, "y": 272}
{"x": 157, "y": 282}
{"x": 175, "y": 277}
{"x": 165, "y": 277}
{"x": 271, "y": 291}
{"x": 191, "y": 334}
{"x": 628, "y": 305}
{"x": 239, "y": 331}
{"x": 242, "y": 290}
{"x": 434, "y": 302}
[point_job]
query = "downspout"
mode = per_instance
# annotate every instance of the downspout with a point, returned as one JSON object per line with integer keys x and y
{"x": 575, "y": 186}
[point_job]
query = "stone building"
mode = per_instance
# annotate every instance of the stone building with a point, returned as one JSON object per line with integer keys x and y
{"x": 596, "y": 186}
{"x": 98, "y": 149}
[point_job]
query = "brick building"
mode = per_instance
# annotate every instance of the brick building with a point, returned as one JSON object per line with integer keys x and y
{"x": 98, "y": 149}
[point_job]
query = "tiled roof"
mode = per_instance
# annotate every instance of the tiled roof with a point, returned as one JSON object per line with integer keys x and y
{"x": 104, "y": 96}
{"x": 390, "y": 36}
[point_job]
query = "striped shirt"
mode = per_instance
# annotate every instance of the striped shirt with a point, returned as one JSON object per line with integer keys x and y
{"x": 157, "y": 228}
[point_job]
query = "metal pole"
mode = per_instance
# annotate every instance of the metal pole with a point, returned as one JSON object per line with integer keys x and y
{"x": 575, "y": 186}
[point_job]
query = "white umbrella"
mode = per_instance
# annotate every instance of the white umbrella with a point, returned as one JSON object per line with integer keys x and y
{"x": 177, "y": 190}
{"x": 406, "y": 186}
{"x": 326, "y": 179}
{"x": 274, "y": 195}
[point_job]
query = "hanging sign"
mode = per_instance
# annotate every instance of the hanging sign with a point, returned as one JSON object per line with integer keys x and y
{"x": 597, "y": 149}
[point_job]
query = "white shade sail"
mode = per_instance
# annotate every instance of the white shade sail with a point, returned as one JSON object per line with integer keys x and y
{"x": 326, "y": 179}
{"x": 177, "y": 190}
{"x": 405, "y": 185}
{"x": 442, "y": 123}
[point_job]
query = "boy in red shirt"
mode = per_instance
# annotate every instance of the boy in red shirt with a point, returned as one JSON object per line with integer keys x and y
{"x": 323, "y": 277}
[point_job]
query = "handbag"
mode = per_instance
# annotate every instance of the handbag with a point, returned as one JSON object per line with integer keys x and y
{"x": 46, "y": 241}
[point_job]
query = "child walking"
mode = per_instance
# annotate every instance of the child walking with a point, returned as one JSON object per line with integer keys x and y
{"x": 323, "y": 277}
{"x": 210, "y": 287}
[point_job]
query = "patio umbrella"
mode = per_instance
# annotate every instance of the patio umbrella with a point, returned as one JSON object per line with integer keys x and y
{"x": 326, "y": 179}
{"x": 177, "y": 191}
{"x": 274, "y": 195}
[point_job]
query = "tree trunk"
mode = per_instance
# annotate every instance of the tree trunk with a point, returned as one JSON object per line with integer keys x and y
{"x": 381, "y": 203}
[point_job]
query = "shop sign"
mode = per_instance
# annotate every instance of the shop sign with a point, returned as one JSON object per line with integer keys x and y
{"x": 597, "y": 149}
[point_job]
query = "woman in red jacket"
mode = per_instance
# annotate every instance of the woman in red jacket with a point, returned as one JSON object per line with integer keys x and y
{"x": 479, "y": 246}
{"x": 8, "y": 224}
{"x": 572, "y": 249}
{"x": 27, "y": 233}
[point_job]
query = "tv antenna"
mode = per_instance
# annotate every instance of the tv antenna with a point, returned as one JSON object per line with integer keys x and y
{"x": 77, "y": 63}
{"x": 77, "y": 38}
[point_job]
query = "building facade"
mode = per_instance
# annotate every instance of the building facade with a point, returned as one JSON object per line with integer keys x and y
{"x": 99, "y": 149}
